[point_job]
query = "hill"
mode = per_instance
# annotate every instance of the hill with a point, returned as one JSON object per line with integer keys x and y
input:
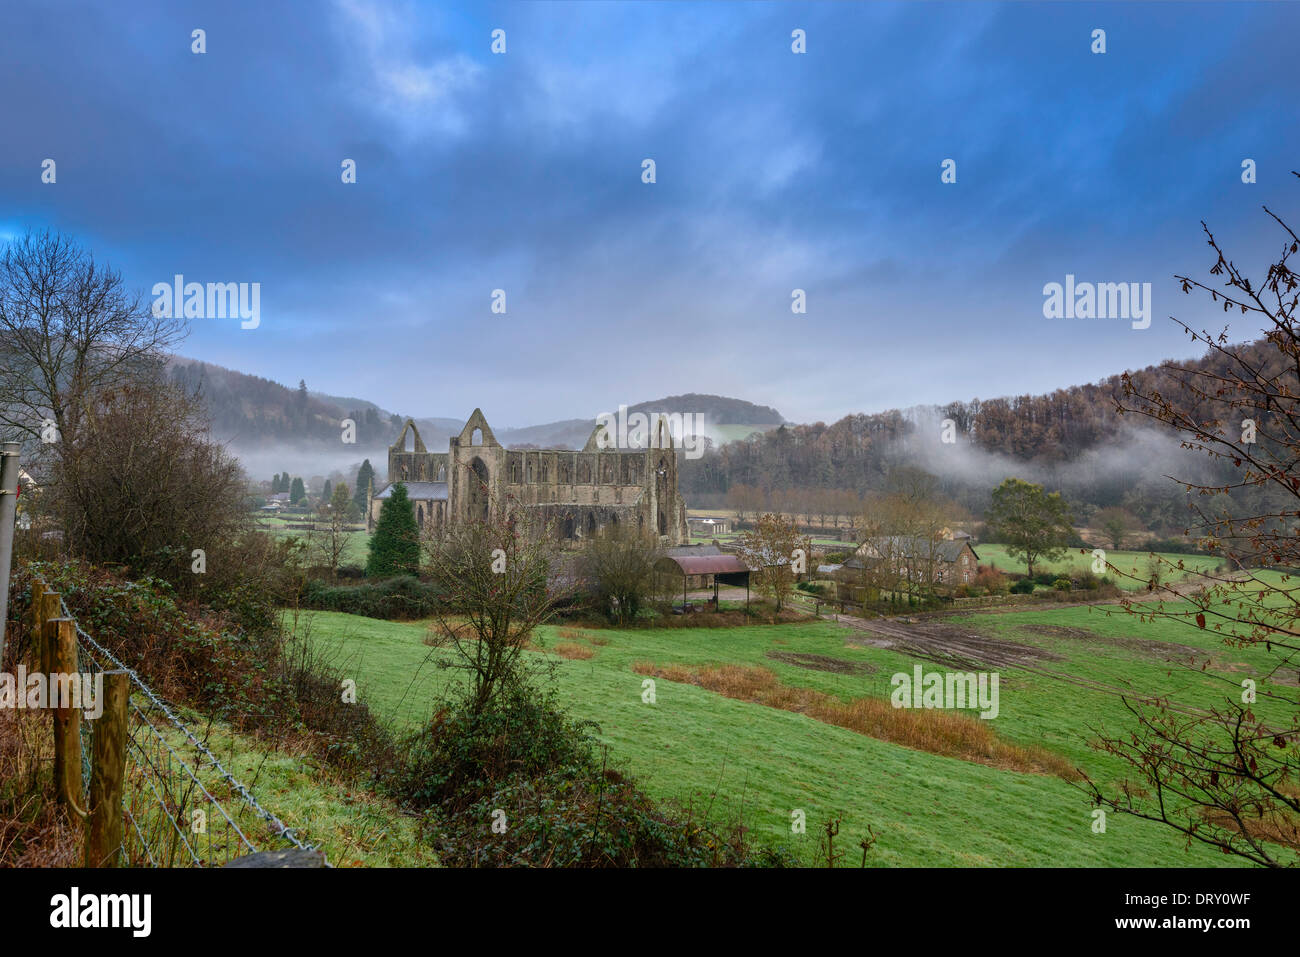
{"x": 1073, "y": 439}
{"x": 269, "y": 425}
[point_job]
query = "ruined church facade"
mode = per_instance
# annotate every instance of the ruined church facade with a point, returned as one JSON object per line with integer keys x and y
{"x": 574, "y": 494}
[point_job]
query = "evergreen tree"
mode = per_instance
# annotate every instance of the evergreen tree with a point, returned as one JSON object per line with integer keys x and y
{"x": 395, "y": 545}
{"x": 341, "y": 502}
{"x": 364, "y": 476}
{"x": 275, "y": 483}
{"x": 297, "y": 493}
{"x": 326, "y": 493}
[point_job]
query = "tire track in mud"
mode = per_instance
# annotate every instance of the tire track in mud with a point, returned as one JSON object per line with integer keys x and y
{"x": 956, "y": 647}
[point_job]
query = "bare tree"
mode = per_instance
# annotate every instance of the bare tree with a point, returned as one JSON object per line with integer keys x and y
{"x": 1116, "y": 524}
{"x": 1227, "y": 776}
{"x": 328, "y": 543}
{"x": 68, "y": 331}
{"x": 618, "y": 564}
{"x": 141, "y": 483}
{"x": 902, "y": 532}
{"x": 770, "y": 548}
{"x": 494, "y": 580}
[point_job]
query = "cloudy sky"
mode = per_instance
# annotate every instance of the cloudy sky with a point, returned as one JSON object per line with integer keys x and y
{"x": 522, "y": 171}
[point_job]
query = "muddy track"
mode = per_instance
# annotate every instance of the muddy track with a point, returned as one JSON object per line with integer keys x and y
{"x": 936, "y": 638}
{"x": 956, "y": 647}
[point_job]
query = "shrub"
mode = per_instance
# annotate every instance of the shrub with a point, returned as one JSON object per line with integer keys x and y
{"x": 1062, "y": 584}
{"x": 404, "y": 598}
{"x": 990, "y": 579}
{"x": 566, "y": 807}
{"x": 192, "y": 655}
{"x": 1024, "y": 586}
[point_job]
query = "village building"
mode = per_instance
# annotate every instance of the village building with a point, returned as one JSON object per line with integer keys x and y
{"x": 936, "y": 562}
{"x": 708, "y": 527}
{"x": 574, "y": 493}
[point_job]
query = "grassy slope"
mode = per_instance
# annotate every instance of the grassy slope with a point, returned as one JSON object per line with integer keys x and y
{"x": 352, "y": 826}
{"x": 926, "y": 810}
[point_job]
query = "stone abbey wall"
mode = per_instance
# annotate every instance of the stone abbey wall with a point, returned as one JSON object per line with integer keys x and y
{"x": 574, "y": 493}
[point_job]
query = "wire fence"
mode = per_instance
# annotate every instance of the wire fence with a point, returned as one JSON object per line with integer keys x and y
{"x": 181, "y": 806}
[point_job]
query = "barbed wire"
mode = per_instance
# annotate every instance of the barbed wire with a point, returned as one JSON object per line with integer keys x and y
{"x": 278, "y": 828}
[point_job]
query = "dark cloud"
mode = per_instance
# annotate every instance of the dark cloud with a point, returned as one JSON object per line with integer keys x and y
{"x": 775, "y": 171}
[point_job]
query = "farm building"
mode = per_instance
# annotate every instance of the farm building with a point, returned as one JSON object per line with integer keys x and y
{"x": 703, "y": 566}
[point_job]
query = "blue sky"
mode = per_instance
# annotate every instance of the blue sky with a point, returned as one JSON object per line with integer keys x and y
{"x": 775, "y": 171}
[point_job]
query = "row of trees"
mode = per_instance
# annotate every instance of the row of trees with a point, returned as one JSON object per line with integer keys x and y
{"x": 825, "y": 508}
{"x": 282, "y": 483}
{"x": 262, "y": 411}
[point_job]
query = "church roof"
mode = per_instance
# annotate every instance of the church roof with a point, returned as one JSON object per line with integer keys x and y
{"x": 418, "y": 491}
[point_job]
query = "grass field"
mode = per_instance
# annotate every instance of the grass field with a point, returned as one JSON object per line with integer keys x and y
{"x": 1127, "y": 564}
{"x": 745, "y": 758}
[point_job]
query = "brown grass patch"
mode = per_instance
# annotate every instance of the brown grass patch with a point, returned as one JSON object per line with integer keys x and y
{"x": 933, "y": 731}
{"x": 1278, "y": 827}
{"x": 578, "y": 634}
{"x": 567, "y": 649}
{"x": 34, "y": 831}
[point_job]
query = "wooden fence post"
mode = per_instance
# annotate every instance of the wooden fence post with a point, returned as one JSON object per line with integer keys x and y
{"x": 108, "y": 767}
{"x": 61, "y": 651}
{"x": 48, "y": 607}
{"x": 38, "y": 589}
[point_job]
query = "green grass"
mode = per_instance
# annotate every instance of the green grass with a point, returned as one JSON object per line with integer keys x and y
{"x": 1127, "y": 565}
{"x": 742, "y": 758}
{"x": 353, "y": 826}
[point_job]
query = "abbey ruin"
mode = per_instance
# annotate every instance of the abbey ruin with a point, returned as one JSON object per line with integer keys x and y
{"x": 574, "y": 494}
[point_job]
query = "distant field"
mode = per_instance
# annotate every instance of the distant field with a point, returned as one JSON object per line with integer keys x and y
{"x": 751, "y": 759}
{"x": 1126, "y": 564}
{"x": 355, "y": 550}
